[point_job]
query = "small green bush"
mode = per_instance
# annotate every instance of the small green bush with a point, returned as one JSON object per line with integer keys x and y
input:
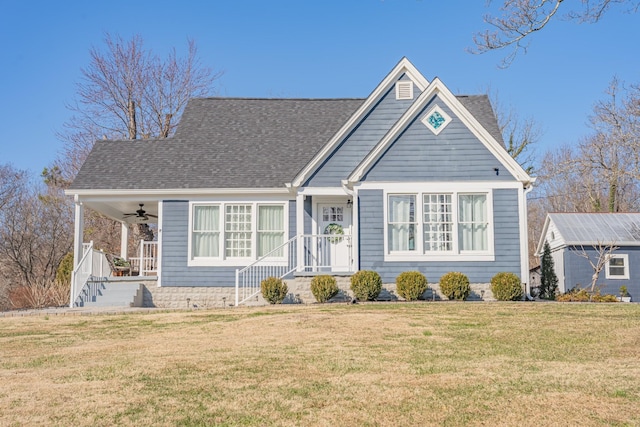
{"x": 65, "y": 268}
{"x": 410, "y": 285}
{"x": 274, "y": 290}
{"x": 455, "y": 286}
{"x": 324, "y": 287}
{"x": 506, "y": 287}
{"x": 366, "y": 285}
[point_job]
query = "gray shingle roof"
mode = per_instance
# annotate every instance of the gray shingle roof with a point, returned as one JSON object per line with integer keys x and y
{"x": 480, "y": 107}
{"x": 594, "y": 228}
{"x": 233, "y": 143}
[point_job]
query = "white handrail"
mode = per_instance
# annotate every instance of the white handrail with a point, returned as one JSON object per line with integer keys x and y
{"x": 147, "y": 261}
{"x": 304, "y": 253}
{"x": 82, "y": 272}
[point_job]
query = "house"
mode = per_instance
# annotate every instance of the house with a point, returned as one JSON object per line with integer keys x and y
{"x": 571, "y": 235}
{"x": 409, "y": 178}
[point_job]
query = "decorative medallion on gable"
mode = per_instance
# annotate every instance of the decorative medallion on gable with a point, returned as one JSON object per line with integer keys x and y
{"x": 436, "y": 119}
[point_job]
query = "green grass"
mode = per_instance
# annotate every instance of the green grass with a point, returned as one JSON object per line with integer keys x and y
{"x": 337, "y": 364}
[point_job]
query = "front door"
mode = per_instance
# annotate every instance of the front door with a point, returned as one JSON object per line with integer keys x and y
{"x": 335, "y": 240}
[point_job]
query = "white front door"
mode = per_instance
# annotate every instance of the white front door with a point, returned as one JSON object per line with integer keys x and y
{"x": 335, "y": 241}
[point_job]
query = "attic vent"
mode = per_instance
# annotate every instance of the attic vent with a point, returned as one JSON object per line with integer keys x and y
{"x": 436, "y": 120}
{"x": 404, "y": 90}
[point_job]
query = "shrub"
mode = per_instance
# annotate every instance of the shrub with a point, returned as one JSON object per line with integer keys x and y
{"x": 324, "y": 288}
{"x": 410, "y": 285}
{"x": 576, "y": 294}
{"x": 366, "y": 285}
{"x": 455, "y": 285}
{"x": 274, "y": 290}
{"x": 506, "y": 287}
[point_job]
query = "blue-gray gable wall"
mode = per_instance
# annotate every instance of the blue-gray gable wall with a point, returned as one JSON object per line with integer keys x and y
{"x": 453, "y": 155}
{"x": 175, "y": 238}
{"x": 578, "y": 272}
{"x": 362, "y": 139}
{"x": 506, "y": 242}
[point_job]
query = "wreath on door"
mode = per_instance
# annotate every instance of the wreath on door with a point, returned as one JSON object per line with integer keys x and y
{"x": 334, "y": 228}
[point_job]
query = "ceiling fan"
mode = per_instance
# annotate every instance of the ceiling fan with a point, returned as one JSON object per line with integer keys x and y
{"x": 140, "y": 215}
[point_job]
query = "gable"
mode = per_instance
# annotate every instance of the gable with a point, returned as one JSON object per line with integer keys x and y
{"x": 365, "y": 135}
{"x": 453, "y": 154}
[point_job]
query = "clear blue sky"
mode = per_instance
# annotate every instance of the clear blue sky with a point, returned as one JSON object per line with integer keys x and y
{"x": 299, "y": 48}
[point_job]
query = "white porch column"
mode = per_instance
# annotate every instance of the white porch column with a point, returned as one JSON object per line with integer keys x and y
{"x": 78, "y": 232}
{"x": 124, "y": 240}
{"x": 300, "y": 231}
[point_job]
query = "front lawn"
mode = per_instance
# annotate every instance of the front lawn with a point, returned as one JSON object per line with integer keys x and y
{"x": 400, "y": 364}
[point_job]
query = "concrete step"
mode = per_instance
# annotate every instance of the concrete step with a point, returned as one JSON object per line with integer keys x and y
{"x": 116, "y": 295}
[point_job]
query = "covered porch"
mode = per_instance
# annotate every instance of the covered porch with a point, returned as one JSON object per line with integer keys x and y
{"x": 137, "y": 259}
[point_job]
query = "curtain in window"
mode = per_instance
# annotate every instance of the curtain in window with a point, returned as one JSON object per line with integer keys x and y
{"x": 401, "y": 217}
{"x": 206, "y": 232}
{"x": 270, "y": 230}
{"x": 473, "y": 222}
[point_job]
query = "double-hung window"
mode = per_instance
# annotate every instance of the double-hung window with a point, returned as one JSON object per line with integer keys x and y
{"x": 236, "y": 231}
{"x": 618, "y": 267}
{"x": 443, "y": 225}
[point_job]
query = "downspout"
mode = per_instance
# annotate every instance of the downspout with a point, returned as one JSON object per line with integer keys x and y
{"x": 525, "y": 243}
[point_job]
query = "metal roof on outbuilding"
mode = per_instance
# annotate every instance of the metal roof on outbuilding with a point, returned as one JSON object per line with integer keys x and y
{"x": 622, "y": 229}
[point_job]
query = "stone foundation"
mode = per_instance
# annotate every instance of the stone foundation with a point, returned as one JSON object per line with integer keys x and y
{"x": 299, "y": 293}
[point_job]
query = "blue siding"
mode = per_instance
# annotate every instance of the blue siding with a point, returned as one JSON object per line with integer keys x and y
{"x": 308, "y": 214}
{"x": 506, "y": 236}
{"x": 454, "y": 154}
{"x": 175, "y": 235}
{"x": 361, "y": 140}
{"x": 578, "y": 272}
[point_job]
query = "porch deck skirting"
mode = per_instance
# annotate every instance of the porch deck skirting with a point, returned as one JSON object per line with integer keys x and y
{"x": 299, "y": 293}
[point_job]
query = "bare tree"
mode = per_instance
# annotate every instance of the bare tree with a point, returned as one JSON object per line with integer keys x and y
{"x": 128, "y": 92}
{"x": 10, "y": 179}
{"x": 519, "y": 19}
{"x": 35, "y": 234}
{"x": 603, "y": 254}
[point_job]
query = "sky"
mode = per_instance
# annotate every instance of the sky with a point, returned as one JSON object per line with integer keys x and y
{"x": 309, "y": 49}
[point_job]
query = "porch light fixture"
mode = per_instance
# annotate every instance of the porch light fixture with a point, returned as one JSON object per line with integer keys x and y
{"x": 349, "y": 203}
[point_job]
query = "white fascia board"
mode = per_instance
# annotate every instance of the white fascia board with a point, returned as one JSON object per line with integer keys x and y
{"x": 158, "y": 194}
{"x": 323, "y": 191}
{"x": 438, "y": 88}
{"x": 437, "y": 185}
{"x": 404, "y": 66}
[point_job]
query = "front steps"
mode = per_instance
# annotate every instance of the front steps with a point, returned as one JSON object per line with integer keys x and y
{"x": 111, "y": 294}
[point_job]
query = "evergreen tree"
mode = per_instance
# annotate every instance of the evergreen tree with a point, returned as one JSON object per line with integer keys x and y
{"x": 548, "y": 279}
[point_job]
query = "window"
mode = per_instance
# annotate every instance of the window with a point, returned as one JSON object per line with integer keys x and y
{"x": 225, "y": 231}
{"x": 618, "y": 267}
{"x": 270, "y": 230}
{"x": 451, "y": 225}
{"x": 473, "y": 225}
{"x": 205, "y": 238}
{"x": 237, "y": 231}
{"x": 402, "y": 222}
{"x": 438, "y": 222}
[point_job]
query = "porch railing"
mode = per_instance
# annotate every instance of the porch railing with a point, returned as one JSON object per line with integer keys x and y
{"x": 278, "y": 263}
{"x": 302, "y": 253}
{"x": 92, "y": 265}
{"x": 147, "y": 260}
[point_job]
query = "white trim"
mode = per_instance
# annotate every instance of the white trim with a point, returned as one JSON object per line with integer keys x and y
{"x": 404, "y": 90}
{"x": 436, "y": 109}
{"x": 158, "y": 194}
{"x": 524, "y": 237}
{"x": 78, "y": 232}
{"x": 300, "y": 198}
{"x": 625, "y": 257}
{"x": 124, "y": 240}
{"x": 403, "y": 67}
{"x": 438, "y": 186}
{"x": 438, "y": 88}
{"x": 222, "y": 259}
{"x": 456, "y": 254}
{"x": 159, "y": 254}
{"x": 324, "y": 191}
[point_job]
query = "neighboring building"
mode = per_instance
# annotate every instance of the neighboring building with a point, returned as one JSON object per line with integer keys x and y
{"x": 410, "y": 178}
{"x": 570, "y": 233}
